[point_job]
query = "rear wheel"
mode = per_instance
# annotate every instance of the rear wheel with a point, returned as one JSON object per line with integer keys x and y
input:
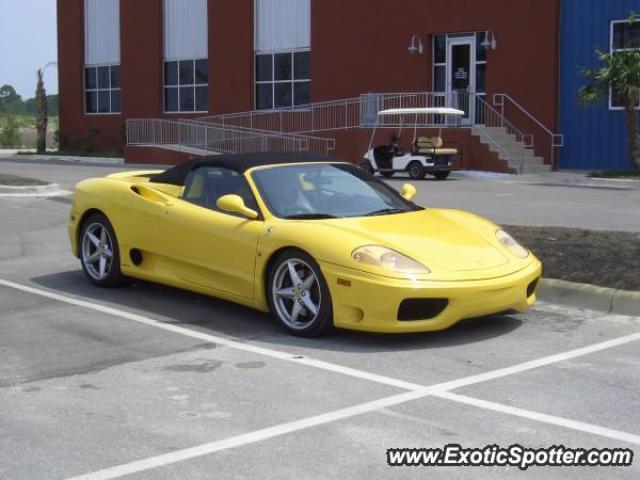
{"x": 366, "y": 166}
{"x": 416, "y": 170}
{"x": 99, "y": 253}
{"x": 441, "y": 175}
{"x": 298, "y": 295}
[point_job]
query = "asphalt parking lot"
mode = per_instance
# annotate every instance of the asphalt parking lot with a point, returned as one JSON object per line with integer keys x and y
{"x": 150, "y": 382}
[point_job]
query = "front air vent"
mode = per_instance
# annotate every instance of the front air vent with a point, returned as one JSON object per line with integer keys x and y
{"x": 413, "y": 309}
{"x": 136, "y": 256}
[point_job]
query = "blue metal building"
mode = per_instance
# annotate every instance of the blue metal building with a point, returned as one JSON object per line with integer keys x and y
{"x": 595, "y": 136}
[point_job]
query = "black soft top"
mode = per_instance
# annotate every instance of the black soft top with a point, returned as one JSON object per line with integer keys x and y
{"x": 240, "y": 163}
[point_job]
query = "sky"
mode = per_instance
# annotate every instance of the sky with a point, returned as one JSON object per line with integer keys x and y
{"x": 28, "y": 41}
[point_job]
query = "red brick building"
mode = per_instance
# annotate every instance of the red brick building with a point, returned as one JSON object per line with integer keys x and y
{"x": 176, "y": 59}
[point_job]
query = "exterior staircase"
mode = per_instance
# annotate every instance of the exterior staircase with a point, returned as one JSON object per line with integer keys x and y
{"x": 519, "y": 156}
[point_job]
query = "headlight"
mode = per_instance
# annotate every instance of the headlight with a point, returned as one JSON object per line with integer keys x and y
{"x": 510, "y": 244}
{"x": 384, "y": 257}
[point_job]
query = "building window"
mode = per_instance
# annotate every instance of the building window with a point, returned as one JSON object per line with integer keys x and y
{"x": 186, "y": 70}
{"x": 282, "y": 36}
{"x": 440, "y": 63}
{"x": 102, "y": 89}
{"x": 186, "y": 86}
{"x": 102, "y": 81}
{"x": 283, "y": 79}
{"x": 624, "y": 37}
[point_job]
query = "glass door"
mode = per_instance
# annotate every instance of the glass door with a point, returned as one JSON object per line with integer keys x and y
{"x": 461, "y": 76}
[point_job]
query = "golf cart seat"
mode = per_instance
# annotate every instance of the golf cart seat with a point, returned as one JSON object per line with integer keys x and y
{"x": 433, "y": 146}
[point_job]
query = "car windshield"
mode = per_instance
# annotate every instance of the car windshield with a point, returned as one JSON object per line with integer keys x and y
{"x": 324, "y": 190}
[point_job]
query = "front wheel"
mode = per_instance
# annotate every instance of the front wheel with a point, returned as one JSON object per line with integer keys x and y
{"x": 99, "y": 254}
{"x": 298, "y": 295}
{"x": 441, "y": 175}
{"x": 416, "y": 170}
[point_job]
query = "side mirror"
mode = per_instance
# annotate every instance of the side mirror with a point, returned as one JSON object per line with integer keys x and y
{"x": 234, "y": 204}
{"x": 408, "y": 191}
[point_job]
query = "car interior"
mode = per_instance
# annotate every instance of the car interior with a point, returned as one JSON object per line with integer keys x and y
{"x": 205, "y": 185}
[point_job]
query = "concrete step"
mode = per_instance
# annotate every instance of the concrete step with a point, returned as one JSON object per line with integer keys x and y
{"x": 510, "y": 150}
{"x": 532, "y": 164}
{"x": 515, "y": 153}
{"x": 506, "y": 140}
{"x": 501, "y": 141}
{"x": 544, "y": 169}
{"x": 499, "y": 135}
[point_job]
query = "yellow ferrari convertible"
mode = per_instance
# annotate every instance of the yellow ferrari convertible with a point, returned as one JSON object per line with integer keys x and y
{"x": 317, "y": 242}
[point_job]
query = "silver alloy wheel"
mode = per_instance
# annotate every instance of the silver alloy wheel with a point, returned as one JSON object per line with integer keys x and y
{"x": 97, "y": 251}
{"x": 296, "y": 293}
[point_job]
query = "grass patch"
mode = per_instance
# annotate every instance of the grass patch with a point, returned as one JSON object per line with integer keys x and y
{"x": 16, "y": 181}
{"x": 29, "y": 121}
{"x": 606, "y": 259}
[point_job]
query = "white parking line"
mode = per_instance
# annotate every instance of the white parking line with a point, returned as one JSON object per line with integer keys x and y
{"x": 246, "y": 347}
{"x": 542, "y": 417}
{"x": 416, "y": 391}
{"x": 247, "y": 438}
{"x": 539, "y": 362}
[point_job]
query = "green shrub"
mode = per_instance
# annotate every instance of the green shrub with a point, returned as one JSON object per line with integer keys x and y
{"x": 10, "y": 132}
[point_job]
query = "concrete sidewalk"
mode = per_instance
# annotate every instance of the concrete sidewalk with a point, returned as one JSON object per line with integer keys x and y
{"x": 34, "y": 157}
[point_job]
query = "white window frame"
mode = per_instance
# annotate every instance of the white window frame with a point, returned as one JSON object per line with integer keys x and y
{"x": 614, "y": 50}
{"x": 98, "y": 89}
{"x": 273, "y": 82}
{"x": 435, "y": 64}
{"x": 177, "y": 87}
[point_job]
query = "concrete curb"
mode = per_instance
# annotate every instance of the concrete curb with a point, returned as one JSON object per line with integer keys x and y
{"x": 608, "y": 300}
{"x": 50, "y": 190}
{"x": 63, "y": 158}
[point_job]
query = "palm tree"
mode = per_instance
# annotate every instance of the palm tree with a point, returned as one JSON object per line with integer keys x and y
{"x": 620, "y": 72}
{"x": 42, "y": 112}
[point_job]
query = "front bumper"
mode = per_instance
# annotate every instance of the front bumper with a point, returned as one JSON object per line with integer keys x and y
{"x": 368, "y": 302}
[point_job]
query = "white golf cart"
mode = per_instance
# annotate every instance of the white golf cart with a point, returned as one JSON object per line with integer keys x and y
{"x": 427, "y": 155}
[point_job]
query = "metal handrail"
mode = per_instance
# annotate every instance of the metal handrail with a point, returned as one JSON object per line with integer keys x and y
{"x": 291, "y": 127}
{"x": 256, "y": 131}
{"x": 525, "y": 138}
{"x": 557, "y": 139}
{"x": 357, "y": 112}
{"x": 500, "y": 104}
{"x": 182, "y": 134}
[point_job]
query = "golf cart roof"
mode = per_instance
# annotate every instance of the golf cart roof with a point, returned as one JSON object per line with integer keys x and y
{"x": 422, "y": 111}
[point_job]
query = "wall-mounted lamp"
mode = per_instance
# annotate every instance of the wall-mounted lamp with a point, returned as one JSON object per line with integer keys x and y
{"x": 490, "y": 41}
{"x": 416, "y": 45}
